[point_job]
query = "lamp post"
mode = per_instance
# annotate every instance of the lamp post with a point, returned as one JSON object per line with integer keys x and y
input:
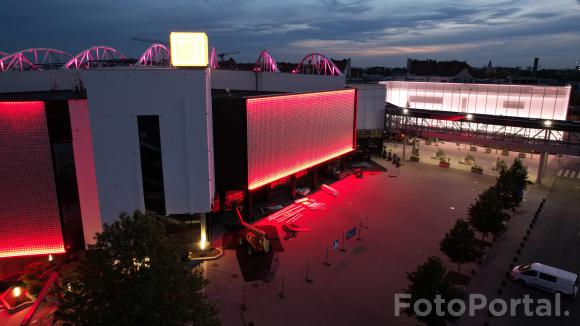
{"x": 405, "y": 112}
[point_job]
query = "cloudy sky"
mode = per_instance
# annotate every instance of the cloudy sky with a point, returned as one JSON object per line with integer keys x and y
{"x": 510, "y": 33}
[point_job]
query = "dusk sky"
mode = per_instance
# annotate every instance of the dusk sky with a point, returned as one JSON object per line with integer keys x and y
{"x": 372, "y": 33}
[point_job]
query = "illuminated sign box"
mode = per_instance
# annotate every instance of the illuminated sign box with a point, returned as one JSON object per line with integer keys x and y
{"x": 188, "y": 49}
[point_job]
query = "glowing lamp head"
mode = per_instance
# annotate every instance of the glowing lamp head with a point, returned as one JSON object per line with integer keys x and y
{"x": 188, "y": 49}
{"x": 203, "y": 240}
{"x": 50, "y": 258}
{"x": 469, "y": 116}
{"x": 405, "y": 111}
{"x": 547, "y": 123}
{"x": 16, "y": 291}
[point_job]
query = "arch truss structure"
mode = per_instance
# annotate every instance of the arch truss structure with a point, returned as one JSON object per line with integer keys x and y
{"x": 213, "y": 59}
{"x": 317, "y": 64}
{"x": 97, "y": 57}
{"x": 34, "y": 59}
{"x": 266, "y": 63}
{"x": 3, "y": 54}
{"x": 156, "y": 55}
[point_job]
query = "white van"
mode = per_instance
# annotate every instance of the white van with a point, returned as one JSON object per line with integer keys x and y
{"x": 547, "y": 278}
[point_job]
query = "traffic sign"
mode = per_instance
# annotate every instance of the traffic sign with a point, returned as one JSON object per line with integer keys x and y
{"x": 335, "y": 244}
{"x": 350, "y": 233}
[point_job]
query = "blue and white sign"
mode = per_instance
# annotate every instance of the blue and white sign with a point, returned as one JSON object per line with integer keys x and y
{"x": 335, "y": 244}
{"x": 350, "y": 233}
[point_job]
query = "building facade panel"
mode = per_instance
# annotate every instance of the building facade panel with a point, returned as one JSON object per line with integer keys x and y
{"x": 290, "y": 133}
{"x": 526, "y": 101}
{"x": 29, "y": 215}
{"x": 180, "y": 99}
{"x": 85, "y": 168}
{"x": 370, "y": 106}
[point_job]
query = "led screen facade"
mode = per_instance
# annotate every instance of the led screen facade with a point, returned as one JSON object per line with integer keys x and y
{"x": 289, "y": 133}
{"x": 29, "y": 217}
{"x": 526, "y": 101}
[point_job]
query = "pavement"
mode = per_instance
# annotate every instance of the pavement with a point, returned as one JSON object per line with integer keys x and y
{"x": 457, "y": 153}
{"x": 408, "y": 215}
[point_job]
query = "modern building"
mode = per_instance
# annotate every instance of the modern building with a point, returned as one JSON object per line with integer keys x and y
{"x": 530, "y": 102}
{"x": 79, "y": 146}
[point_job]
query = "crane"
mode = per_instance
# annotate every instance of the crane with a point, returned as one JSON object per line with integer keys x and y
{"x": 221, "y": 55}
{"x": 147, "y": 40}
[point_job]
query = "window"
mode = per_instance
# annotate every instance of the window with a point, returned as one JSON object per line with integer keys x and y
{"x": 549, "y": 278}
{"x": 151, "y": 164}
{"x": 530, "y": 273}
{"x": 524, "y": 268}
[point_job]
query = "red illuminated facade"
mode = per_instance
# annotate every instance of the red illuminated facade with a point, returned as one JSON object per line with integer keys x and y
{"x": 29, "y": 213}
{"x": 290, "y": 133}
{"x": 270, "y": 142}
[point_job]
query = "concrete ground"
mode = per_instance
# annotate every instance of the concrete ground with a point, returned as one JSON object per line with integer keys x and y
{"x": 408, "y": 215}
{"x": 409, "y": 211}
{"x": 457, "y": 154}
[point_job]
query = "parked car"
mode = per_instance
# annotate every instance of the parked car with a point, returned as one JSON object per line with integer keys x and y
{"x": 547, "y": 278}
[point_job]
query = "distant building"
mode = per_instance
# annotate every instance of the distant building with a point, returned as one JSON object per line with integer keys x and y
{"x": 436, "y": 68}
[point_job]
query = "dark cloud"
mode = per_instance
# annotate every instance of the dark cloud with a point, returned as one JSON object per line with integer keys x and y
{"x": 503, "y": 31}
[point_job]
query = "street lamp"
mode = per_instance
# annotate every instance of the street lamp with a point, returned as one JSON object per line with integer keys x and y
{"x": 405, "y": 111}
{"x": 16, "y": 292}
{"x": 469, "y": 116}
{"x": 547, "y": 123}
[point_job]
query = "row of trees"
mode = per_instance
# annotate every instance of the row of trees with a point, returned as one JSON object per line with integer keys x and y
{"x": 487, "y": 215}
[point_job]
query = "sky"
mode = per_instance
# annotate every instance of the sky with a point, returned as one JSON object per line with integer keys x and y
{"x": 372, "y": 33}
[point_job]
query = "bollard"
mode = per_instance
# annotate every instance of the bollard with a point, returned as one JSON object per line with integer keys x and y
{"x": 327, "y": 261}
{"x": 281, "y": 294}
{"x": 342, "y": 247}
{"x": 243, "y": 306}
{"x": 367, "y": 220}
{"x": 308, "y": 279}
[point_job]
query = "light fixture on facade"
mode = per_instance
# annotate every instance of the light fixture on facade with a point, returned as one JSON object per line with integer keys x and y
{"x": 16, "y": 291}
{"x": 405, "y": 111}
{"x": 547, "y": 123}
{"x": 469, "y": 116}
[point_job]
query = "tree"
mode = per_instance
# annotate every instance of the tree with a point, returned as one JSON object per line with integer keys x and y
{"x": 427, "y": 282}
{"x": 34, "y": 276}
{"x": 133, "y": 275}
{"x": 507, "y": 190}
{"x": 486, "y": 215}
{"x": 520, "y": 175}
{"x": 511, "y": 184}
{"x": 459, "y": 244}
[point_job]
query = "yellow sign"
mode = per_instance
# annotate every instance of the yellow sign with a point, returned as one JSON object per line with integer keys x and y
{"x": 188, "y": 49}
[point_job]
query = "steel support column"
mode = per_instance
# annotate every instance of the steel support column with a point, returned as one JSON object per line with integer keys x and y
{"x": 541, "y": 167}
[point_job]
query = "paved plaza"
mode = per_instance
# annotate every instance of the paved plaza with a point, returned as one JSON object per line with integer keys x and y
{"x": 404, "y": 214}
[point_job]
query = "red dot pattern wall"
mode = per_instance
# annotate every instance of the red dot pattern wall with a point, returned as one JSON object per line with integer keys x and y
{"x": 290, "y": 133}
{"x": 29, "y": 217}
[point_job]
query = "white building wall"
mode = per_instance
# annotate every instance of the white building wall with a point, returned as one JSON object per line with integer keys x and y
{"x": 274, "y": 82}
{"x": 39, "y": 81}
{"x": 527, "y": 101}
{"x": 85, "y": 168}
{"x": 370, "y": 106}
{"x": 181, "y": 99}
